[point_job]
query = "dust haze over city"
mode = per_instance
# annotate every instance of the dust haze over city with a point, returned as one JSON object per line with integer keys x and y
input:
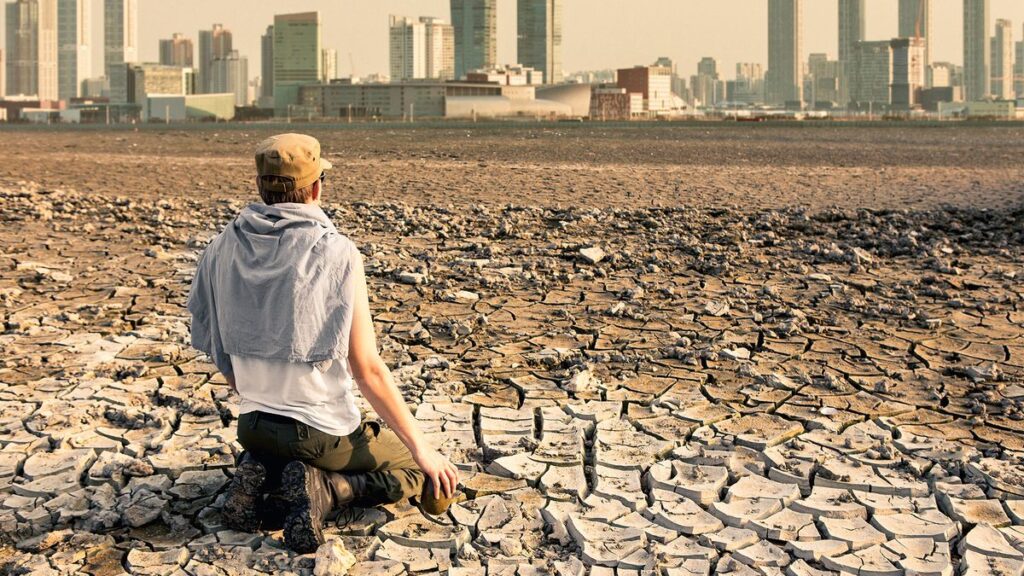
{"x": 496, "y": 287}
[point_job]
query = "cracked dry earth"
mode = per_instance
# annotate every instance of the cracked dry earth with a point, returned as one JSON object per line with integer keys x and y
{"x": 626, "y": 390}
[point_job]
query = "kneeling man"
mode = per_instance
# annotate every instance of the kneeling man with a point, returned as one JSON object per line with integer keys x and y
{"x": 279, "y": 303}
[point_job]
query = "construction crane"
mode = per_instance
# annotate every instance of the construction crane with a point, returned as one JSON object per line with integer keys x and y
{"x": 920, "y": 18}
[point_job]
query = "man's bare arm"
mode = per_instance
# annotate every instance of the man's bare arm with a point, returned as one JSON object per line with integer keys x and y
{"x": 378, "y": 387}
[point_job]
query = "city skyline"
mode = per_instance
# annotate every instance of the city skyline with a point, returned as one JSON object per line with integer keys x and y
{"x": 363, "y": 30}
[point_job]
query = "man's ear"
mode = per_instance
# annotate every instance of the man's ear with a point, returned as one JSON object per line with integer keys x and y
{"x": 316, "y": 191}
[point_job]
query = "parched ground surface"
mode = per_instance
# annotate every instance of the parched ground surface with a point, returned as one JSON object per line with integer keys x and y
{"x": 659, "y": 350}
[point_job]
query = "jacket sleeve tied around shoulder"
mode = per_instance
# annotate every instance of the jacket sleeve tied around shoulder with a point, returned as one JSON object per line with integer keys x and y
{"x": 201, "y": 304}
{"x": 294, "y": 307}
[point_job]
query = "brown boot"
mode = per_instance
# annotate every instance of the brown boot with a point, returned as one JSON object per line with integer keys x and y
{"x": 241, "y": 506}
{"x": 312, "y": 494}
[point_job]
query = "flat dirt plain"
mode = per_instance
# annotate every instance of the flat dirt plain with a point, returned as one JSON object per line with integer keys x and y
{"x": 651, "y": 349}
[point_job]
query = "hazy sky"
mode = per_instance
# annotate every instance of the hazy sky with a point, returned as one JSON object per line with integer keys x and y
{"x": 597, "y": 33}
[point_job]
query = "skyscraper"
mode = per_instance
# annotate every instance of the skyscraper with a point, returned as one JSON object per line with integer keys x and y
{"x": 783, "y": 81}
{"x": 1002, "y": 61}
{"x": 977, "y": 50}
{"x": 476, "y": 35}
{"x": 749, "y": 84}
{"x": 915, "y": 21}
{"x": 298, "y": 42}
{"x": 851, "y": 31}
{"x": 823, "y": 81}
{"x": 708, "y": 66}
{"x": 267, "y": 64}
{"x": 20, "y": 75}
{"x": 1018, "y": 68}
{"x": 872, "y": 75}
{"x": 908, "y": 73}
{"x": 74, "y": 41}
{"x": 177, "y": 51}
{"x": 120, "y": 43}
{"x": 851, "y": 27}
{"x": 330, "y": 65}
{"x": 3, "y": 73}
{"x": 707, "y": 88}
{"x": 32, "y": 53}
{"x": 539, "y": 43}
{"x": 48, "y": 62}
{"x": 231, "y": 74}
{"x": 947, "y": 74}
{"x": 421, "y": 49}
{"x": 213, "y": 44}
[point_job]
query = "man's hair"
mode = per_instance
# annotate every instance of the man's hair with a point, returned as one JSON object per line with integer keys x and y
{"x": 271, "y": 197}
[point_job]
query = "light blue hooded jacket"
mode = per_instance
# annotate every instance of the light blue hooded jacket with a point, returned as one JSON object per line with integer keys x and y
{"x": 276, "y": 284}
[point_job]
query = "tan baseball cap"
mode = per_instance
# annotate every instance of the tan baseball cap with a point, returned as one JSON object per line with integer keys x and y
{"x": 293, "y": 159}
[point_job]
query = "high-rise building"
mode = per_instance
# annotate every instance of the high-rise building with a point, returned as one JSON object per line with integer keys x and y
{"x": 908, "y": 73}
{"x": 678, "y": 83}
{"x": 421, "y": 49}
{"x": 213, "y": 44}
{"x": 707, "y": 89}
{"x": 947, "y": 75}
{"x": 476, "y": 35}
{"x": 120, "y": 43}
{"x": 1018, "y": 68}
{"x": 539, "y": 43}
{"x": 95, "y": 87}
{"x": 74, "y": 40}
{"x": 977, "y": 50}
{"x": 267, "y": 69}
{"x": 915, "y": 21}
{"x": 298, "y": 42}
{"x": 330, "y": 65}
{"x": 143, "y": 80}
{"x": 1002, "y": 61}
{"x": 748, "y": 87}
{"x": 851, "y": 31}
{"x": 823, "y": 85}
{"x": 3, "y": 73}
{"x": 708, "y": 66}
{"x": 783, "y": 81}
{"x": 177, "y": 51}
{"x": 654, "y": 83}
{"x": 872, "y": 75}
{"x": 851, "y": 27}
{"x": 231, "y": 74}
{"x": 32, "y": 49}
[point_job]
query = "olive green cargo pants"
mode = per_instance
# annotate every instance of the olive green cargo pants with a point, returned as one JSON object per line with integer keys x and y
{"x": 378, "y": 454}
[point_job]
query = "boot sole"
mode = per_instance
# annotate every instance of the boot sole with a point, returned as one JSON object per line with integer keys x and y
{"x": 240, "y": 511}
{"x": 301, "y": 531}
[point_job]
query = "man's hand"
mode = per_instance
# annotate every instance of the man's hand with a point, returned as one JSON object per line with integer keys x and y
{"x": 439, "y": 470}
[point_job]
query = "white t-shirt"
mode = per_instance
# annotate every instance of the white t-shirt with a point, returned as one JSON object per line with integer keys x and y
{"x": 322, "y": 400}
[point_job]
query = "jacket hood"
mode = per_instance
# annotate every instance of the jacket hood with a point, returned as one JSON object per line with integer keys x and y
{"x": 273, "y": 220}
{"x": 275, "y": 238}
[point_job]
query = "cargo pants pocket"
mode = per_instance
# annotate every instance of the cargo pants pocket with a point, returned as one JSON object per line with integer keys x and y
{"x": 309, "y": 445}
